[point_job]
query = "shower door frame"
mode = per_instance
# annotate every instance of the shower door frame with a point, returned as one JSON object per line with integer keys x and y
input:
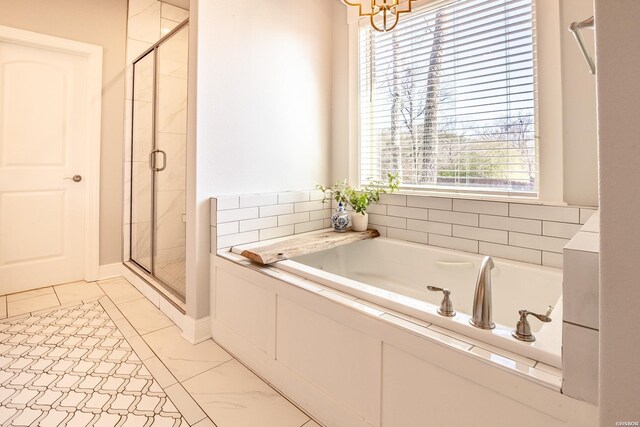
{"x": 153, "y": 50}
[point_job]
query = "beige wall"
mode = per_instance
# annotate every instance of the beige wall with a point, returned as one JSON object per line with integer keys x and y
{"x": 579, "y": 110}
{"x": 339, "y": 92}
{"x": 102, "y": 23}
{"x": 618, "y": 62}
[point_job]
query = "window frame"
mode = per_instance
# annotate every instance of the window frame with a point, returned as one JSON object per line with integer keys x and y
{"x": 548, "y": 109}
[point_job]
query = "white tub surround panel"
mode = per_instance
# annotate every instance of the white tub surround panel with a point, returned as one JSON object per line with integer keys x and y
{"x": 581, "y": 313}
{"x": 249, "y": 218}
{"x": 365, "y": 365}
{"x": 519, "y": 231}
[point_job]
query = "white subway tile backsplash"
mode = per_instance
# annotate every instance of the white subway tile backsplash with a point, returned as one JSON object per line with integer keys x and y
{"x": 408, "y": 235}
{"x": 323, "y": 214}
{"x": 388, "y": 221}
{"x": 377, "y": 208}
{"x": 237, "y": 214}
{"x": 475, "y": 206}
{"x": 258, "y": 200}
{"x": 305, "y": 227}
{"x": 228, "y": 202}
{"x": 293, "y": 196}
{"x": 274, "y": 233}
{"x": 213, "y": 240}
{"x": 454, "y": 243}
{"x": 511, "y": 224}
{"x": 429, "y": 227}
{"x": 405, "y": 212}
{"x": 258, "y": 224}
{"x": 482, "y": 234}
{"x": 293, "y": 218}
{"x": 560, "y": 229}
{"x": 551, "y": 259}
{"x": 523, "y": 232}
{"x": 228, "y": 228}
{"x": 316, "y": 195}
{"x": 309, "y": 206}
{"x": 531, "y": 256}
{"x": 276, "y": 210}
{"x": 549, "y": 213}
{"x": 393, "y": 199}
{"x": 238, "y": 239}
{"x": 441, "y": 203}
{"x": 213, "y": 211}
{"x": 453, "y": 217}
{"x": 543, "y": 243}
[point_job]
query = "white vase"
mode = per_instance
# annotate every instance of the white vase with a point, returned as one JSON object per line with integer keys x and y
{"x": 359, "y": 221}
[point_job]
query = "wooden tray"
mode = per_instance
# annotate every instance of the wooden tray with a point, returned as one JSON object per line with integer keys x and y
{"x": 306, "y": 243}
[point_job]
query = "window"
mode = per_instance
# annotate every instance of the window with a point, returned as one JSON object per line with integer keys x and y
{"x": 447, "y": 99}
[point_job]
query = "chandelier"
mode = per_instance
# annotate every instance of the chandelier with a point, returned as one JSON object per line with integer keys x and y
{"x": 383, "y": 14}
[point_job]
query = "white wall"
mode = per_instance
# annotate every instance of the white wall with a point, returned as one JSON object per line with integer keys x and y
{"x": 263, "y": 108}
{"x": 264, "y": 94}
{"x": 618, "y": 62}
{"x": 102, "y": 23}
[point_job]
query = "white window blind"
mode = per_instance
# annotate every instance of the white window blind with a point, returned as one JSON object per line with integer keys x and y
{"x": 448, "y": 98}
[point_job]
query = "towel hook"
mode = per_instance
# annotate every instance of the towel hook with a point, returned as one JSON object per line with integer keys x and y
{"x": 575, "y": 28}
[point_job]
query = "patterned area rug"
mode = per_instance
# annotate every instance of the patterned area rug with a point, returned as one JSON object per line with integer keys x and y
{"x": 72, "y": 367}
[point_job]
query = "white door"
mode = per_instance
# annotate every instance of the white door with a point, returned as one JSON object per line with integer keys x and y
{"x": 43, "y": 137}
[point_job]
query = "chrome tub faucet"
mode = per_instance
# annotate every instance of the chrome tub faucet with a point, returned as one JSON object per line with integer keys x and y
{"x": 482, "y": 310}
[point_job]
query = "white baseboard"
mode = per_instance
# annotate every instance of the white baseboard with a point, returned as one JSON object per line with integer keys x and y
{"x": 196, "y": 331}
{"x": 109, "y": 271}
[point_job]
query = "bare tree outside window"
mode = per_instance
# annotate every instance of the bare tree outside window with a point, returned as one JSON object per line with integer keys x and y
{"x": 448, "y": 98}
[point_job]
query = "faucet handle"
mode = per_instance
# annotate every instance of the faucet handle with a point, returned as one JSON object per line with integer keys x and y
{"x": 523, "y": 328}
{"x": 446, "y": 306}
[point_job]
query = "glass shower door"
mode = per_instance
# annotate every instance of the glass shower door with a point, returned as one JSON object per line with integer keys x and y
{"x": 171, "y": 139}
{"x": 158, "y": 173}
{"x": 141, "y": 175}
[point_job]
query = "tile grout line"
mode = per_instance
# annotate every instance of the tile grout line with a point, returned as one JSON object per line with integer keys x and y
{"x": 205, "y": 371}
{"x": 263, "y": 380}
{"x": 77, "y": 363}
{"x": 155, "y": 355}
{"x": 56, "y": 294}
{"x": 158, "y": 357}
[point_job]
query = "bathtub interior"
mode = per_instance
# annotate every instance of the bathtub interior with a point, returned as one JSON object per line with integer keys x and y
{"x": 407, "y": 269}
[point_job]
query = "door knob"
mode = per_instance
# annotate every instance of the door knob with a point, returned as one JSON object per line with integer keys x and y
{"x": 75, "y": 178}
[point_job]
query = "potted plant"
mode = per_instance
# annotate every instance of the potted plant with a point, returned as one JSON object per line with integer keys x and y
{"x": 359, "y": 200}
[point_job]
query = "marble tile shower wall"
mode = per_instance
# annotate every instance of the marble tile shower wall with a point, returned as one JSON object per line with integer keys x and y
{"x": 148, "y": 21}
{"x": 523, "y": 232}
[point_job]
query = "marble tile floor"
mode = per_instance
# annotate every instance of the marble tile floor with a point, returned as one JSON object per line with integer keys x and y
{"x": 101, "y": 354}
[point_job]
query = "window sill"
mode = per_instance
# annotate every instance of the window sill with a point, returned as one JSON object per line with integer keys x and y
{"x": 529, "y": 200}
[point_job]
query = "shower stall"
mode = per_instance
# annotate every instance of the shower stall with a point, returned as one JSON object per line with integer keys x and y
{"x": 158, "y": 166}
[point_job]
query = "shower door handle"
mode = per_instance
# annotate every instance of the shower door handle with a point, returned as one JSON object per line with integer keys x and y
{"x": 152, "y": 160}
